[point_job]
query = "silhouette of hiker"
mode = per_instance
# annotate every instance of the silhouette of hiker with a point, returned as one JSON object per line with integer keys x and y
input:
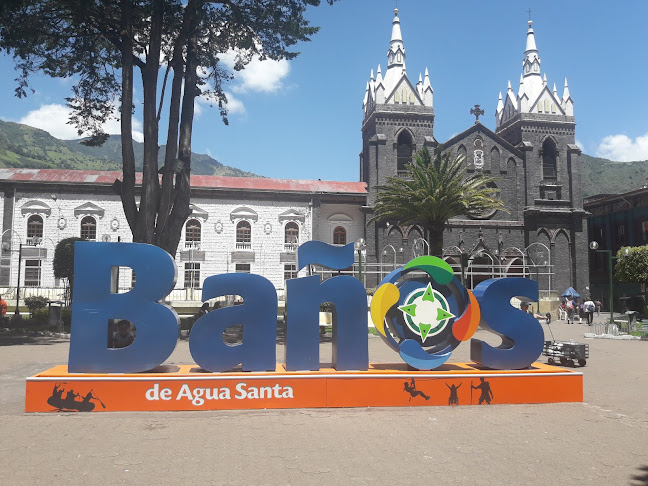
{"x": 454, "y": 398}
{"x": 411, "y": 389}
{"x": 486, "y": 392}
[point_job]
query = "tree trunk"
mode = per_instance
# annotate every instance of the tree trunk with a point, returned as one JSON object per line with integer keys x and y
{"x": 436, "y": 240}
{"x": 126, "y": 109}
{"x": 150, "y": 179}
{"x": 180, "y": 211}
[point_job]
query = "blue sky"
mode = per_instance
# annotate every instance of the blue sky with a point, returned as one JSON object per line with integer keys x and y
{"x": 301, "y": 119}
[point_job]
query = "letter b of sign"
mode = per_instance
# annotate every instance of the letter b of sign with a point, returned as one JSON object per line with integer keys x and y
{"x": 94, "y": 305}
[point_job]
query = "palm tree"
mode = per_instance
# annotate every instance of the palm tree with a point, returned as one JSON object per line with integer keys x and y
{"x": 431, "y": 192}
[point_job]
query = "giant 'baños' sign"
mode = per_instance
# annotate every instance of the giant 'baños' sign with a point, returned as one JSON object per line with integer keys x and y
{"x": 420, "y": 310}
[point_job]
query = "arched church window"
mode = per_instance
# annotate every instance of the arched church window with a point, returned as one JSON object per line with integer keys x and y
{"x": 291, "y": 234}
{"x": 339, "y": 236}
{"x": 243, "y": 235}
{"x": 89, "y": 228}
{"x": 192, "y": 233}
{"x": 549, "y": 156}
{"x": 399, "y": 57}
{"x": 403, "y": 151}
{"x": 546, "y": 107}
{"x": 35, "y": 226}
{"x": 495, "y": 159}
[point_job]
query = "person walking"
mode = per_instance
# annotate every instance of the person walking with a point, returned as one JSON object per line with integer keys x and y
{"x": 569, "y": 307}
{"x": 589, "y": 307}
{"x": 3, "y": 309}
{"x": 598, "y": 305}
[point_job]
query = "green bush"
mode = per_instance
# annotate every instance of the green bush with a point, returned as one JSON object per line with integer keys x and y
{"x": 36, "y": 302}
{"x": 41, "y": 315}
{"x": 66, "y": 317}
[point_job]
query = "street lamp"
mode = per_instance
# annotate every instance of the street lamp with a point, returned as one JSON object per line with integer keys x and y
{"x": 359, "y": 247}
{"x": 384, "y": 252}
{"x": 595, "y": 246}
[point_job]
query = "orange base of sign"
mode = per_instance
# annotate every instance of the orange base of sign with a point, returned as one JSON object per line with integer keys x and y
{"x": 187, "y": 387}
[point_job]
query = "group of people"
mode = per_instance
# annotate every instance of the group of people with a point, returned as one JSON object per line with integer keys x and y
{"x": 585, "y": 309}
{"x": 204, "y": 309}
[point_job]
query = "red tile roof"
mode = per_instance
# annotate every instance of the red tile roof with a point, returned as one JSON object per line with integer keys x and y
{"x": 62, "y": 176}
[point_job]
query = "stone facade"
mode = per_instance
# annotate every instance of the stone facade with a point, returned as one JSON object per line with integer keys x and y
{"x": 532, "y": 153}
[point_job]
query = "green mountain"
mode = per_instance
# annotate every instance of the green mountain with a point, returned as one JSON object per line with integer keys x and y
{"x": 603, "y": 176}
{"x": 22, "y": 146}
{"x": 26, "y": 147}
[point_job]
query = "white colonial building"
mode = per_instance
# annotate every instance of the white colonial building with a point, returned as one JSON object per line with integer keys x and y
{"x": 237, "y": 224}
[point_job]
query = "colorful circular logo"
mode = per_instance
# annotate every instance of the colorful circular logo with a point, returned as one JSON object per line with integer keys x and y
{"x": 422, "y": 311}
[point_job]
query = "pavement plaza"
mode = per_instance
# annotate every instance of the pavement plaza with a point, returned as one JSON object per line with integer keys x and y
{"x": 603, "y": 440}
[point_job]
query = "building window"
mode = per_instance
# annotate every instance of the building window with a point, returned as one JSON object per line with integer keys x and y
{"x": 644, "y": 230}
{"x": 32, "y": 273}
{"x": 291, "y": 236}
{"x": 339, "y": 236}
{"x": 403, "y": 151}
{"x": 549, "y": 156}
{"x": 89, "y": 228}
{"x": 133, "y": 278}
{"x": 192, "y": 275}
{"x": 34, "y": 229}
{"x": 192, "y": 234}
{"x": 242, "y": 268}
{"x": 243, "y": 235}
{"x": 621, "y": 234}
{"x": 290, "y": 271}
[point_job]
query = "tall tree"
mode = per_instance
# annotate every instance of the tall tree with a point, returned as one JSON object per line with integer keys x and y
{"x": 431, "y": 192}
{"x": 633, "y": 266}
{"x": 103, "y": 44}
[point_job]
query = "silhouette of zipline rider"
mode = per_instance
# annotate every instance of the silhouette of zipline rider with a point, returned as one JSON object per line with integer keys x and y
{"x": 454, "y": 397}
{"x": 70, "y": 402}
{"x": 486, "y": 392}
{"x": 411, "y": 389}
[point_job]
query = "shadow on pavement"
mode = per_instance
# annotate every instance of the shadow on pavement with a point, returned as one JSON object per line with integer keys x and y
{"x": 37, "y": 340}
{"x": 640, "y": 479}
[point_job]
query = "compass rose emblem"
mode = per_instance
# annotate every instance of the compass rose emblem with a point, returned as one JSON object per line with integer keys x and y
{"x": 426, "y": 312}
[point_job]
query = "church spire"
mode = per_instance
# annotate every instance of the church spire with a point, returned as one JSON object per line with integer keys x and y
{"x": 396, "y": 54}
{"x": 531, "y": 66}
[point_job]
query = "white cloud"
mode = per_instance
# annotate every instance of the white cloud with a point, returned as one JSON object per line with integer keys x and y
{"x": 624, "y": 149}
{"x": 53, "y": 119}
{"x": 258, "y": 76}
{"x": 580, "y": 145}
{"x": 234, "y": 105}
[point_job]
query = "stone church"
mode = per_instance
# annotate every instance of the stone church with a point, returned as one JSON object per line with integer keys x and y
{"x": 255, "y": 225}
{"x": 532, "y": 153}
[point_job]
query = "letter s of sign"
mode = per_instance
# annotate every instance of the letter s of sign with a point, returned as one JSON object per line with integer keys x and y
{"x": 521, "y": 333}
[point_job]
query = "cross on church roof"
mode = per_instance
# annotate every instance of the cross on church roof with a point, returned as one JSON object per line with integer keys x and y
{"x": 529, "y": 11}
{"x": 476, "y": 111}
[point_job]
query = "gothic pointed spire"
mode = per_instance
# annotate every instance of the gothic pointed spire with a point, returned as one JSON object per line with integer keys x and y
{"x": 533, "y": 83}
{"x": 396, "y": 54}
{"x": 500, "y": 104}
{"x": 566, "y": 94}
